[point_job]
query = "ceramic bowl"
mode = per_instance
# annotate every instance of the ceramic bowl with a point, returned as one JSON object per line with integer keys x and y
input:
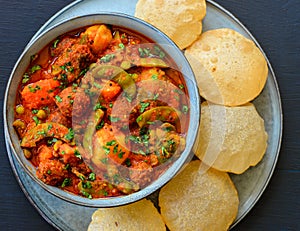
{"x": 124, "y": 21}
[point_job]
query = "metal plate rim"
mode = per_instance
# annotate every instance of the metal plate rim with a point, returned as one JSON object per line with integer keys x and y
{"x": 219, "y": 7}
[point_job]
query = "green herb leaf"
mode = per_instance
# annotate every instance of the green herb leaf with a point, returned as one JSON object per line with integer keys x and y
{"x": 58, "y": 98}
{"x": 54, "y": 140}
{"x": 111, "y": 143}
{"x": 101, "y": 125}
{"x": 35, "y": 68}
{"x": 77, "y": 154}
{"x": 106, "y": 149}
{"x": 155, "y": 97}
{"x": 66, "y": 182}
{"x": 92, "y": 176}
{"x": 70, "y": 134}
{"x": 181, "y": 86}
{"x": 144, "y": 106}
{"x": 154, "y": 77}
{"x": 127, "y": 162}
{"x": 55, "y": 43}
{"x": 120, "y": 155}
{"x": 26, "y": 78}
{"x": 140, "y": 118}
{"x": 107, "y": 58}
{"x": 83, "y": 72}
{"x": 98, "y": 106}
{"x": 36, "y": 120}
{"x": 185, "y": 109}
{"x": 84, "y": 193}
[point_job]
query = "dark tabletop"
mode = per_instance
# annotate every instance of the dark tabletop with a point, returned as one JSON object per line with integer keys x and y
{"x": 276, "y": 26}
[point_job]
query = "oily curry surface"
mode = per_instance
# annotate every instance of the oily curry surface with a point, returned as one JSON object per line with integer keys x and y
{"x": 101, "y": 112}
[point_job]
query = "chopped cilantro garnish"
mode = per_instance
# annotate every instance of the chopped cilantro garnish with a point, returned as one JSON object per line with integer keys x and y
{"x": 70, "y": 134}
{"x": 111, "y": 143}
{"x": 99, "y": 126}
{"x": 42, "y": 132}
{"x": 185, "y": 109}
{"x": 83, "y": 72}
{"x": 84, "y": 193}
{"x": 92, "y": 176}
{"x": 144, "y": 106}
{"x": 154, "y": 76}
{"x": 98, "y": 106}
{"x": 155, "y": 97}
{"x": 107, "y": 58}
{"x": 115, "y": 149}
{"x": 140, "y": 118}
{"x": 35, "y": 68}
{"x": 66, "y": 182}
{"x": 67, "y": 167}
{"x": 58, "y": 98}
{"x": 36, "y": 120}
{"x": 127, "y": 162}
{"x": 34, "y": 89}
{"x": 54, "y": 140}
{"x": 77, "y": 154}
{"x": 87, "y": 184}
{"x": 55, "y": 43}
{"x": 106, "y": 149}
{"x": 120, "y": 155}
{"x": 50, "y": 126}
{"x": 26, "y": 78}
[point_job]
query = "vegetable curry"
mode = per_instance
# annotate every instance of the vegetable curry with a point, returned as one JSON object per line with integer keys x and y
{"x": 101, "y": 112}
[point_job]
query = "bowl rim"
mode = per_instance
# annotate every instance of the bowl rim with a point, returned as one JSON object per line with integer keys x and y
{"x": 192, "y": 129}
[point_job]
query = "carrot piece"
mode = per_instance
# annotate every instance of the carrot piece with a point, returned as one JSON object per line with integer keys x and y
{"x": 39, "y": 93}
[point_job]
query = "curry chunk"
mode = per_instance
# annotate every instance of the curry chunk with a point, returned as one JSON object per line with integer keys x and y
{"x": 40, "y": 93}
{"x": 100, "y": 36}
{"x": 107, "y": 144}
{"x": 57, "y": 117}
{"x": 71, "y": 62}
{"x": 51, "y": 172}
{"x": 72, "y": 101}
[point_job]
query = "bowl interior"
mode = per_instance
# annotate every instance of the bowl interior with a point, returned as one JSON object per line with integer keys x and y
{"x": 123, "y": 21}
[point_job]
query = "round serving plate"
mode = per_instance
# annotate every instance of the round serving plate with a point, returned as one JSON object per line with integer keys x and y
{"x": 250, "y": 185}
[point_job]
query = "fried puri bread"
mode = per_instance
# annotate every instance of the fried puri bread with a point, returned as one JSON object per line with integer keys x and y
{"x": 141, "y": 215}
{"x": 181, "y": 20}
{"x": 230, "y": 68}
{"x": 231, "y": 139}
{"x": 199, "y": 200}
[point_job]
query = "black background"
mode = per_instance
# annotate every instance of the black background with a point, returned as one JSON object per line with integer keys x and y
{"x": 275, "y": 24}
